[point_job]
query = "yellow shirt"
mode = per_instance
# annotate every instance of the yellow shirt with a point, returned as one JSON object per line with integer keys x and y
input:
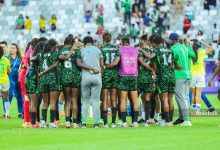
{"x": 28, "y": 24}
{"x": 199, "y": 68}
{"x": 4, "y": 67}
{"x": 42, "y": 23}
{"x": 53, "y": 21}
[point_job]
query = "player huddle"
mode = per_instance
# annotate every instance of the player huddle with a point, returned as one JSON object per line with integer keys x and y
{"x": 86, "y": 74}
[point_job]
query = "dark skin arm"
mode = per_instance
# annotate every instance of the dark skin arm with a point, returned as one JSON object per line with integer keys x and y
{"x": 146, "y": 54}
{"x": 177, "y": 67}
{"x": 34, "y": 58}
{"x": 81, "y": 65}
{"x": 114, "y": 63}
{"x": 146, "y": 66}
{"x": 48, "y": 69}
{"x": 101, "y": 62}
{"x": 62, "y": 57}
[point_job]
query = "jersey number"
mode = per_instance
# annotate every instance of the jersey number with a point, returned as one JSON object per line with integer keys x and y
{"x": 45, "y": 66}
{"x": 109, "y": 58}
{"x": 67, "y": 64}
{"x": 167, "y": 60}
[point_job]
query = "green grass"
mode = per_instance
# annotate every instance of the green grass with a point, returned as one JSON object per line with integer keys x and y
{"x": 203, "y": 135}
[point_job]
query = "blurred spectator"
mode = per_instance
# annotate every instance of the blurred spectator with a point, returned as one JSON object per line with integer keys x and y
{"x": 118, "y": 6}
{"x": 100, "y": 20}
{"x": 153, "y": 13}
{"x": 2, "y": 3}
{"x": 88, "y": 9}
{"x": 178, "y": 6}
{"x": 28, "y": 23}
{"x": 133, "y": 32}
{"x": 191, "y": 33}
{"x": 20, "y": 22}
{"x": 137, "y": 18}
{"x": 127, "y": 11}
{"x": 211, "y": 4}
{"x": 166, "y": 22}
{"x": 141, "y": 4}
{"x": 53, "y": 23}
{"x": 100, "y": 31}
{"x": 186, "y": 24}
{"x": 215, "y": 33}
{"x": 160, "y": 22}
{"x": 206, "y": 5}
{"x": 101, "y": 9}
{"x": 42, "y": 24}
{"x": 147, "y": 20}
{"x": 165, "y": 8}
{"x": 19, "y": 2}
{"x": 200, "y": 36}
{"x": 135, "y": 6}
{"x": 123, "y": 33}
{"x": 159, "y": 2}
{"x": 156, "y": 29}
{"x": 88, "y": 17}
{"x": 189, "y": 10}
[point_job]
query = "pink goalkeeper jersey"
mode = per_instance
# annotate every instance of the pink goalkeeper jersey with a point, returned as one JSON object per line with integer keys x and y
{"x": 129, "y": 61}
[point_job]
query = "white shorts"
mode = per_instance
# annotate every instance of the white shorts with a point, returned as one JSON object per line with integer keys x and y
{"x": 198, "y": 81}
{"x": 4, "y": 87}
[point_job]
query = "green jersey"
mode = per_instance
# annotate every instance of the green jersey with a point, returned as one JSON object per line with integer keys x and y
{"x": 141, "y": 70}
{"x": 181, "y": 57}
{"x": 43, "y": 65}
{"x": 164, "y": 61}
{"x": 110, "y": 76}
{"x": 54, "y": 74}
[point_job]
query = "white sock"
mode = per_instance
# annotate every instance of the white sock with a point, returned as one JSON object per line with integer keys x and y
{"x": 60, "y": 105}
{"x": 156, "y": 116}
{"x": 7, "y": 107}
{"x": 198, "y": 106}
{"x": 143, "y": 115}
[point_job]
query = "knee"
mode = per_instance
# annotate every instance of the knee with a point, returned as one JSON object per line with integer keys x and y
{"x": 122, "y": 108}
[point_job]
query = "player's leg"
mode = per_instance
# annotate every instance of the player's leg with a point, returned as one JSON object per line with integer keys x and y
{"x": 60, "y": 105}
{"x": 165, "y": 107}
{"x": 5, "y": 93}
{"x": 67, "y": 97}
{"x": 198, "y": 99}
{"x": 33, "y": 107}
{"x": 123, "y": 103}
{"x": 114, "y": 105}
{"x": 193, "y": 91}
{"x": 134, "y": 98}
{"x": 105, "y": 96}
{"x": 54, "y": 96}
{"x": 147, "y": 107}
{"x": 75, "y": 94}
{"x": 44, "y": 108}
{"x": 171, "y": 106}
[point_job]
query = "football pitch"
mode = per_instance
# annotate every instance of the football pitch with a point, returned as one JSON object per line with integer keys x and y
{"x": 204, "y": 134}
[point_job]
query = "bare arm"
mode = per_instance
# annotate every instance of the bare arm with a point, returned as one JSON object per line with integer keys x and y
{"x": 144, "y": 64}
{"x": 49, "y": 69}
{"x": 209, "y": 48}
{"x": 82, "y": 65}
{"x": 114, "y": 63}
{"x": 101, "y": 62}
{"x": 62, "y": 57}
{"x": 146, "y": 54}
